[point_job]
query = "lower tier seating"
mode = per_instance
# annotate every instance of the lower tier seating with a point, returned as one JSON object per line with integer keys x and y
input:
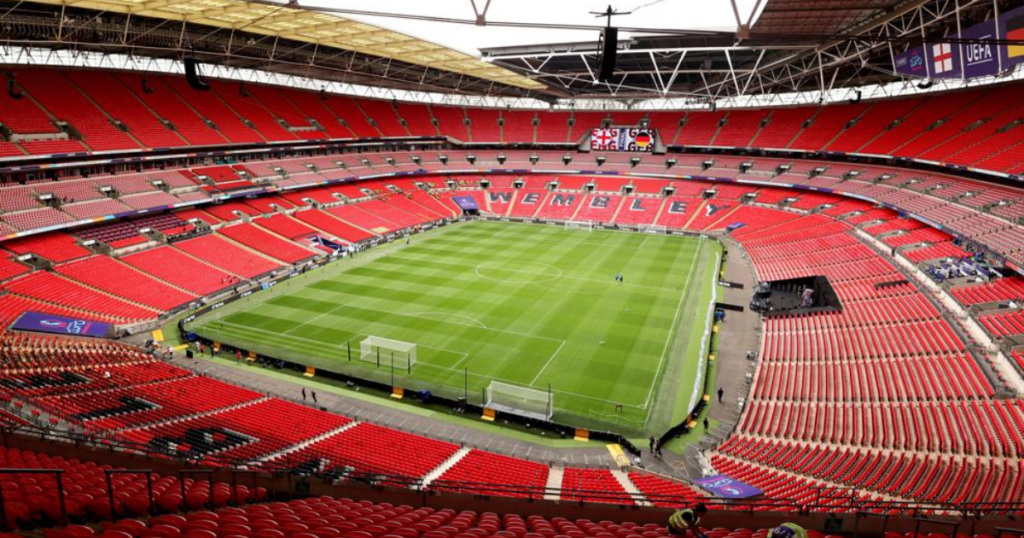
{"x": 33, "y": 499}
{"x": 181, "y": 270}
{"x": 112, "y": 276}
{"x": 509, "y": 477}
{"x": 216, "y": 251}
{"x": 46, "y": 286}
{"x": 593, "y": 485}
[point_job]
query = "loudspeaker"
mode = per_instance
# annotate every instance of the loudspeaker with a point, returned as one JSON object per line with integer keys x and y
{"x": 856, "y": 98}
{"x": 193, "y": 77}
{"x": 146, "y": 88}
{"x": 609, "y": 49}
{"x": 323, "y": 94}
{"x": 242, "y": 90}
{"x": 13, "y": 89}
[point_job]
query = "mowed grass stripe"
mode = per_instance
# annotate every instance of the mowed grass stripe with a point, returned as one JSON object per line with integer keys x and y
{"x": 499, "y": 299}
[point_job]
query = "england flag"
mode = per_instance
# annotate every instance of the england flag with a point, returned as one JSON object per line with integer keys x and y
{"x": 942, "y": 55}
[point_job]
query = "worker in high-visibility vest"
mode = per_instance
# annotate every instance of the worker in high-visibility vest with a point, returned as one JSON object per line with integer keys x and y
{"x": 687, "y": 519}
{"x": 788, "y": 530}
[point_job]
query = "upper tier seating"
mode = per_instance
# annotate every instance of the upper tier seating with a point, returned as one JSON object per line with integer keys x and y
{"x": 968, "y": 127}
{"x": 211, "y": 107}
{"x": 167, "y": 105}
{"x": 56, "y": 93}
{"x": 113, "y": 97}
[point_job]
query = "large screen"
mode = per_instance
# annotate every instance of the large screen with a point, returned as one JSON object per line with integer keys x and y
{"x": 623, "y": 139}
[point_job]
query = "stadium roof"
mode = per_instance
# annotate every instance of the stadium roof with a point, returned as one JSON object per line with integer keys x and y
{"x": 792, "y": 46}
{"x": 297, "y": 24}
{"x": 771, "y": 47}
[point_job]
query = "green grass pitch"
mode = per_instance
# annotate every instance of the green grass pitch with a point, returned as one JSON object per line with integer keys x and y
{"x": 525, "y": 304}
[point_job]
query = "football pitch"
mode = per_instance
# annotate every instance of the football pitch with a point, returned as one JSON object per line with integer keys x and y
{"x": 523, "y": 304}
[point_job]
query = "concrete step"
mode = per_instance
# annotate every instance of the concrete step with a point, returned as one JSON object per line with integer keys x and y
{"x": 299, "y": 446}
{"x": 554, "y": 482}
{"x": 630, "y": 487}
{"x": 445, "y": 465}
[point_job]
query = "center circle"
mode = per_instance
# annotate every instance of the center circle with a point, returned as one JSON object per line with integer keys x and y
{"x": 517, "y": 272}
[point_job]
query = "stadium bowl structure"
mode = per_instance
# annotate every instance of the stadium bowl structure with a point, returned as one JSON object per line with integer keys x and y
{"x": 906, "y": 400}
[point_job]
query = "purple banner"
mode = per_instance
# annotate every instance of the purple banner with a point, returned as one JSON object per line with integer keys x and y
{"x": 466, "y": 203}
{"x": 969, "y": 60}
{"x": 726, "y": 487}
{"x": 48, "y": 323}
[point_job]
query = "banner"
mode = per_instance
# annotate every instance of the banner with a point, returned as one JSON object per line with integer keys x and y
{"x": 466, "y": 203}
{"x": 48, "y": 323}
{"x": 726, "y": 487}
{"x": 969, "y": 60}
{"x": 623, "y": 139}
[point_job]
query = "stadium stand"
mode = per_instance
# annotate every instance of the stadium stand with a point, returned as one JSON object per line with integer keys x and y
{"x": 237, "y": 260}
{"x": 47, "y": 286}
{"x": 265, "y": 242}
{"x": 118, "y": 279}
{"x": 887, "y": 398}
{"x": 180, "y": 269}
{"x": 56, "y": 247}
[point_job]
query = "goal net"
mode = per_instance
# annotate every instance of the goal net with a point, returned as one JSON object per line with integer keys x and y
{"x": 653, "y": 229}
{"x": 517, "y": 400}
{"x": 385, "y": 351}
{"x": 579, "y": 225}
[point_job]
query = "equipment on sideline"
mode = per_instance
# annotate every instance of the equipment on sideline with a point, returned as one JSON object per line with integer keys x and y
{"x": 517, "y": 400}
{"x": 579, "y": 225}
{"x": 653, "y": 229}
{"x": 385, "y": 351}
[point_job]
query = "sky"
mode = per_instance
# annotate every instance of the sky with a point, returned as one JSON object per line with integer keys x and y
{"x": 673, "y": 14}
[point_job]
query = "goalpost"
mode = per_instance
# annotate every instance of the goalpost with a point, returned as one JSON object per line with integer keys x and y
{"x": 382, "y": 351}
{"x": 538, "y": 404}
{"x": 579, "y": 225}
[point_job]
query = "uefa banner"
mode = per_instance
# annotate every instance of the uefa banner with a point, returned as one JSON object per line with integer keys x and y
{"x": 623, "y": 139}
{"x": 466, "y": 203}
{"x": 969, "y": 60}
{"x": 727, "y": 487}
{"x": 48, "y": 323}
